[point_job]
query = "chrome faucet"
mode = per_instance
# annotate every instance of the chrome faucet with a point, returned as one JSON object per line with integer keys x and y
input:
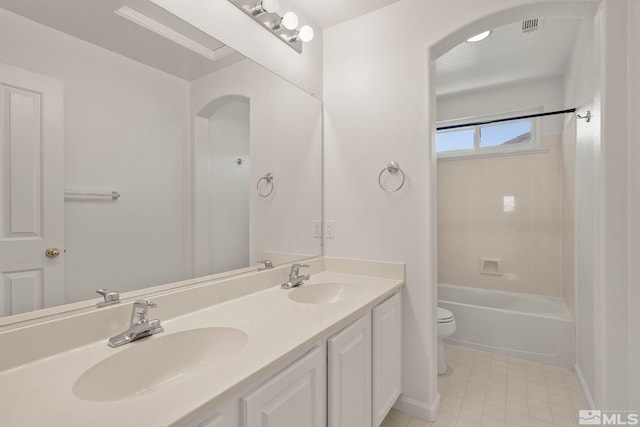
{"x": 140, "y": 326}
{"x": 110, "y": 297}
{"x": 294, "y": 277}
{"x": 267, "y": 264}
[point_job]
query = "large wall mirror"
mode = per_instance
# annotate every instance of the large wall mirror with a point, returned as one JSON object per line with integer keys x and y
{"x": 137, "y": 151}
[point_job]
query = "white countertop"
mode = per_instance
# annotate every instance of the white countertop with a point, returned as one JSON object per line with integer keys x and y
{"x": 40, "y": 393}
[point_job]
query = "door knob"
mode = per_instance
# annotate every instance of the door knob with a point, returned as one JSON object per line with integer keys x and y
{"x": 52, "y": 252}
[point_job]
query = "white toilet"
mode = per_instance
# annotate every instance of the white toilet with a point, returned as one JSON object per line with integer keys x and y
{"x": 446, "y": 328}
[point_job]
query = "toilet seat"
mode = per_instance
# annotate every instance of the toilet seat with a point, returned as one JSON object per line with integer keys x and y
{"x": 444, "y": 315}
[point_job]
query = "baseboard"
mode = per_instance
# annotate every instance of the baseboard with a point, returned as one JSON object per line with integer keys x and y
{"x": 585, "y": 389}
{"x": 427, "y": 411}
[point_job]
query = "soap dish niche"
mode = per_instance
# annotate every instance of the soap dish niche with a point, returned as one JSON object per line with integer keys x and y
{"x": 491, "y": 266}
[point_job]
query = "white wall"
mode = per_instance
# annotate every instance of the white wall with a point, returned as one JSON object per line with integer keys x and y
{"x": 225, "y": 22}
{"x": 229, "y": 184}
{"x": 604, "y": 250}
{"x": 612, "y": 310}
{"x": 545, "y": 94}
{"x": 285, "y": 139}
{"x": 580, "y": 89}
{"x": 569, "y": 143}
{"x": 579, "y": 76}
{"x": 379, "y": 107}
{"x": 126, "y": 126}
{"x": 634, "y": 197}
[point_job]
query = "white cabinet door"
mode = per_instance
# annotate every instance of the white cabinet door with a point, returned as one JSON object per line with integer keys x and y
{"x": 295, "y": 397}
{"x": 349, "y": 375}
{"x": 387, "y": 356}
{"x": 31, "y": 191}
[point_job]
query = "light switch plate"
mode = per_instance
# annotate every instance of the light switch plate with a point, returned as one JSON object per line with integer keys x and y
{"x": 317, "y": 229}
{"x": 330, "y": 229}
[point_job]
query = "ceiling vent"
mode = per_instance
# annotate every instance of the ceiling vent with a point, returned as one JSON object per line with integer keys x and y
{"x": 530, "y": 25}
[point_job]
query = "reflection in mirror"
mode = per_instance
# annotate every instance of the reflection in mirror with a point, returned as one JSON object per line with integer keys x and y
{"x": 97, "y": 98}
{"x": 284, "y": 128}
{"x": 225, "y": 141}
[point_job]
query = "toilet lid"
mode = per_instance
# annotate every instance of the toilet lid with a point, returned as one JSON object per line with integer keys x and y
{"x": 444, "y": 315}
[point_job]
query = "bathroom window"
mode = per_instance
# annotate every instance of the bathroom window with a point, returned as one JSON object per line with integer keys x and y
{"x": 494, "y": 139}
{"x": 505, "y": 134}
{"x": 455, "y": 140}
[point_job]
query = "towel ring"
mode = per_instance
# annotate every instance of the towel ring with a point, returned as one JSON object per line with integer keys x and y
{"x": 268, "y": 179}
{"x": 393, "y": 168}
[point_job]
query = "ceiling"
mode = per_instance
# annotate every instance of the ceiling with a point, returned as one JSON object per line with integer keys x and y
{"x": 508, "y": 56}
{"x": 95, "y": 21}
{"x": 326, "y": 13}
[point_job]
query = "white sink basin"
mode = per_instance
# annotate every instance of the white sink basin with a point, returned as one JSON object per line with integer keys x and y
{"x": 145, "y": 365}
{"x": 321, "y": 293}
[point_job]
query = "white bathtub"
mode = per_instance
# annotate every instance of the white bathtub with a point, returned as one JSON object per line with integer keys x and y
{"x": 528, "y": 326}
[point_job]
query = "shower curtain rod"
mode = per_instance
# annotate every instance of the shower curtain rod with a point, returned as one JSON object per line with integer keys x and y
{"x": 508, "y": 119}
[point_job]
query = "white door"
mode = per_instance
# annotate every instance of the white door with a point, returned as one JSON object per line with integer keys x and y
{"x": 31, "y": 191}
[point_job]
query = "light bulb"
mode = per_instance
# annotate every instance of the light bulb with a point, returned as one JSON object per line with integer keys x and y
{"x": 290, "y": 21}
{"x": 479, "y": 37}
{"x": 270, "y": 6}
{"x": 305, "y": 34}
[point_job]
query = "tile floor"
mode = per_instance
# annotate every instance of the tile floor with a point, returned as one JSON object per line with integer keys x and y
{"x": 487, "y": 389}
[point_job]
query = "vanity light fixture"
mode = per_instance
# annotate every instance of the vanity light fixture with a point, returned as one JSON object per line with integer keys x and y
{"x": 284, "y": 27}
{"x": 479, "y": 37}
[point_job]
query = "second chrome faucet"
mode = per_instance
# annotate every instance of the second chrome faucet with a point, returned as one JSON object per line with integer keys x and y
{"x": 139, "y": 326}
{"x": 295, "y": 279}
